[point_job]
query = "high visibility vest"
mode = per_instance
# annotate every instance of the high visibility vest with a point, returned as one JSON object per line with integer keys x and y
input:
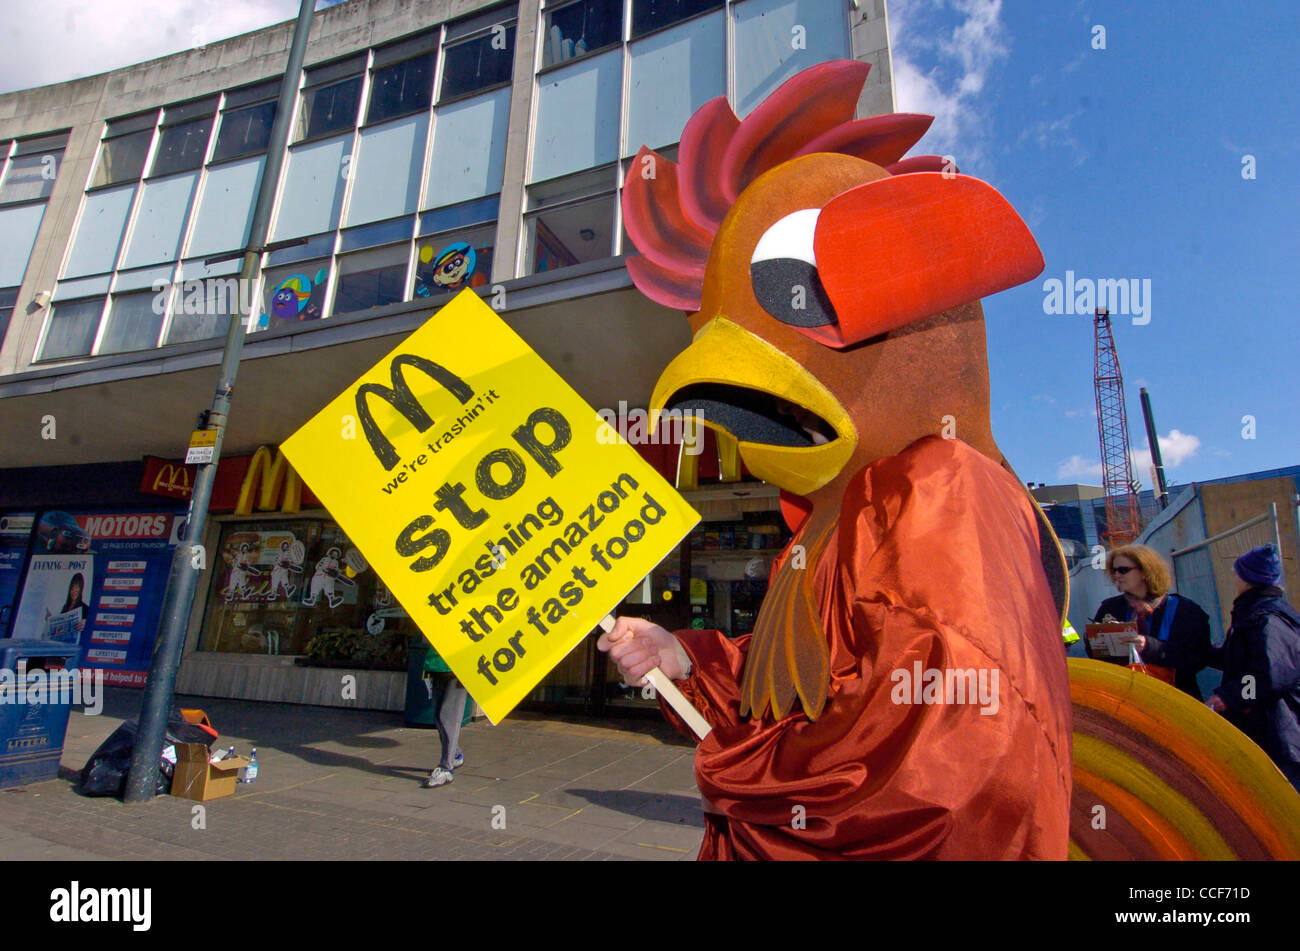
{"x": 1068, "y": 633}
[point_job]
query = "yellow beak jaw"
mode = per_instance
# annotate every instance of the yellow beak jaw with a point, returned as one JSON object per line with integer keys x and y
{"x": 743, "y": 386}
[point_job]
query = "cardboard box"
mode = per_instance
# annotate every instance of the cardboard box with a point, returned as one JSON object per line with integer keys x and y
{"x": 197, "y": 778}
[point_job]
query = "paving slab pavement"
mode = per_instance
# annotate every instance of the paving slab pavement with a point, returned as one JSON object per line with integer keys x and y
{"x": 339, "y": 784}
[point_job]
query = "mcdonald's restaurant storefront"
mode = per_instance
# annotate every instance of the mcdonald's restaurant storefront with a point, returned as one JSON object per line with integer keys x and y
{"x": 287, "y": 607}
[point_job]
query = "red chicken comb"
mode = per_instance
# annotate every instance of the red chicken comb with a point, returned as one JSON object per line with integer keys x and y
{"x": 673, "y": 210}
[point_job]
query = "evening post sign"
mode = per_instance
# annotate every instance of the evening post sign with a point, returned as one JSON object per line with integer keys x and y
{"x": 504, "y": 514}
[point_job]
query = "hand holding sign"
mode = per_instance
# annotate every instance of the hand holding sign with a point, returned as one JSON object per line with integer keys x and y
{"x": 637, "y": 646}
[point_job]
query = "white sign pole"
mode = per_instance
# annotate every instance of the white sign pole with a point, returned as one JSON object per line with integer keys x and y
{"x": 665, "y": 687}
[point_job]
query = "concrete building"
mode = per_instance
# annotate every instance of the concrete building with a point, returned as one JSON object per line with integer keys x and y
{"x": 434, "y": 146}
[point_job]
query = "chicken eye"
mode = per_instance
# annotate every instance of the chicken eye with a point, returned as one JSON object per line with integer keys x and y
{"x": 783, "y": 273}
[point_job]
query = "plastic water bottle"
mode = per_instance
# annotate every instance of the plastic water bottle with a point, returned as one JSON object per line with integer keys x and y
{"x": 250, "y": 771}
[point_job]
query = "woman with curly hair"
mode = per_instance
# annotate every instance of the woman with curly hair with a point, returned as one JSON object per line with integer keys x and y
{"x": 1173, "y": 631}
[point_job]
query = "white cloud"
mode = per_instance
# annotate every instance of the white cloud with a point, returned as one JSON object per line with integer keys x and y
{"x": 1175, "y": 449}
{"x": 1079, "y": 469}
{"x": 962, "y": 59}
{"x": 70, "y": 39}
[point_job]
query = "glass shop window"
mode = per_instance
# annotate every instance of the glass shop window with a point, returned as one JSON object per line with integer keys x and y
{"x": 292, "y": 587}
{"x": 401, "y": 88}
{"x": 295, "y": 292}
{"x": 650, "y": 15}
{"x": 450, "y": 262}
{"x": 72, "y": 327}
{"x": 580, "y": 28}
{"x": 134, "y": 322}
{"x": 371, "y": 279}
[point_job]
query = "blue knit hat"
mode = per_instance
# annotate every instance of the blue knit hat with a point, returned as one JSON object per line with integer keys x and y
{"x": 1259, "y": 566}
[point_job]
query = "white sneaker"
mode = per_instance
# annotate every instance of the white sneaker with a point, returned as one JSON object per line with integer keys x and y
{"x": 439, "y": 777}
{"x": 459, "y": 761}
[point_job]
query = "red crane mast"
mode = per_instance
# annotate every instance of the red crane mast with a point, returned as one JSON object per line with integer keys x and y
{"x": 1123, "y": 518}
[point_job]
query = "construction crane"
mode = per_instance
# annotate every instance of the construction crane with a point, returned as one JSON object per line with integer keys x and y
{"x": 1123, "y": 518}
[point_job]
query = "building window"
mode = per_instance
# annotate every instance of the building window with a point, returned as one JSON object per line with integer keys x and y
{"x": 581, "y": 28}
{"x": 764, "y": 55}
{"x": 30, "y": 177}
{"x": 671, "y": 74}
{"x": 572, "y": 221}
{"x": 469, "y": 149}
{"x": 477, "y": 63}
{"x": 244, "y": 131}
{"x": 71, "y": 330}
{"x": 312, "y": 193}
{"x": 202, "y": 309}
{"x": 134, "y": 322}
{"x": 401, "y": 88}
{"x": 330, "y": 101}
{"x": 386, "y": 170}
{"x": 160, "y": 220}
{"x": 99, "y": 232}
{"x": 371, "y": 279}
{"x": 293, "y": 293}
{"x": 18, "y": 227}
{"x": 8, "y": 297}
{"x": 182, "y": 147}
{"x": 450, "y": 262}
{"x": 578, "y": 116}
{"x": 122, "y": 159}
{"x": 648, "y": 15}
{"x": 226, "y": 207}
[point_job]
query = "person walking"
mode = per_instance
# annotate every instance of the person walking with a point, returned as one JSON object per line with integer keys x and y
{"x": 1173, "y": 631}
{"x": 1260, "y": 659}
{"x": 449, "y": 699}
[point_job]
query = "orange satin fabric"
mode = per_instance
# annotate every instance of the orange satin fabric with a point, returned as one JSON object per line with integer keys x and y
{"x": 936, "y": 560}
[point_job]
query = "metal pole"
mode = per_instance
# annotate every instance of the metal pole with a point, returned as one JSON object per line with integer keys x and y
{"x": 1157, "y": 463}
{"x": 186, "y": 564}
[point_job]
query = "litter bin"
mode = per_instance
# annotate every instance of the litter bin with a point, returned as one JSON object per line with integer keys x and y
{"x": 419, "y": 702}
{"x": 34, "y": 721}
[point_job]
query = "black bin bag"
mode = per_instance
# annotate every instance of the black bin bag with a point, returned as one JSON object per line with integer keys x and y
{"x": 105, "y": 772}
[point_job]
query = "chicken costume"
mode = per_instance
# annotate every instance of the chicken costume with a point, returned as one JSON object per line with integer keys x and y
{"x": 833, "y": 289}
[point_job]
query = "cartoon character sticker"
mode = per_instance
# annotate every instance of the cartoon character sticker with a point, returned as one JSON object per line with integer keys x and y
{"x": 297, "y": 297}
{"x": 451, "y": 269}
{"x": 327, "y": 573}
{"x": 288, "y": 562}
{"x": 241, "y": 569}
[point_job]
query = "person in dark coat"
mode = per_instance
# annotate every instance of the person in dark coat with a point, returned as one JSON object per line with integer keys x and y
{"x": 1260, "y": 659}
{"x": 1173, "y": 631}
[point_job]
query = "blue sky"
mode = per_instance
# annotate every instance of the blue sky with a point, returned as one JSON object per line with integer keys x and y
{"x": 1126, "y": 162}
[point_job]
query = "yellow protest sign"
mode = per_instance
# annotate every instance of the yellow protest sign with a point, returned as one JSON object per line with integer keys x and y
{"x": 503, "y": 513}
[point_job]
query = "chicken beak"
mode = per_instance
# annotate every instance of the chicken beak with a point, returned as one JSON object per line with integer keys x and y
{"x": 741, "y": 385}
